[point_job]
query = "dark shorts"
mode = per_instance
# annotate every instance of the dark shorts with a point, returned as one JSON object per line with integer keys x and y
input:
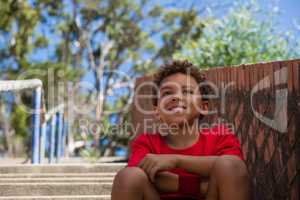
{"x": 162, "y": 197}
{"x": 178, "y": 198}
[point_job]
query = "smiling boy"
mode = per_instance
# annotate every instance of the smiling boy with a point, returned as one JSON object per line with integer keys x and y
{"x": 183, "y": 161}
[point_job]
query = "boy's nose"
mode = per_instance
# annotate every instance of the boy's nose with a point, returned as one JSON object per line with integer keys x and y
{"x": 176, "y": 98}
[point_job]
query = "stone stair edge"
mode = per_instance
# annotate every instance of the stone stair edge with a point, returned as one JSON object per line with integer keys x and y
{"x": 64, "y": 165}
{"x": 54, "y": 197}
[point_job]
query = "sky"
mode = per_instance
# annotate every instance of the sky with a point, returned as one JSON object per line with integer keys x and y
{"x": 288, "y": 11}
{"x": 289, "y": 14}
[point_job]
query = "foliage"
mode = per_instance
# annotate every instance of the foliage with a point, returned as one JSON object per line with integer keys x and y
{"x": 91, "y": 155}
{"x": 19, "y": 121}
{"x": 105, "y": 43}
{"x": 240, "y": 38}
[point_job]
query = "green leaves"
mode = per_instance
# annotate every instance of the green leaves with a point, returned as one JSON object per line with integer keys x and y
{"x": 41, "y": 42}
{"x": 19, "y": 120}
{"x": 239, "y": 38}
{"x": 69, "y": 38}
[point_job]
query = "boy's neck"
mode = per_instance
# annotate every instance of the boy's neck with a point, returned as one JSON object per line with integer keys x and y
{"x": 185, "y": 136}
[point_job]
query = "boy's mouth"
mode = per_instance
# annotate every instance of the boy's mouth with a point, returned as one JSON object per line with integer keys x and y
{"x": 177, "y": 108}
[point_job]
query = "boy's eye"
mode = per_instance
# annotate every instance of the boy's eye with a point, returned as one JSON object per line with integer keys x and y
{"x": 188, "y": 92}
{"x": 166, "y": 93}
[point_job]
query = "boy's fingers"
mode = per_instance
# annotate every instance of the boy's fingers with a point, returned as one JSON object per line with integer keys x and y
{"x": 148, "y": 167}
{"x": 153, "y": 172}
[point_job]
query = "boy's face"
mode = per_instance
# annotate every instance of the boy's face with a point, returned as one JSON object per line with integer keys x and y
{"x": 179, "y": 100}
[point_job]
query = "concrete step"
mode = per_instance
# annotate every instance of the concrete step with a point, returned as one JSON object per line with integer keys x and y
{"x": 54, "y": 189}
{"x": 67, "y": 160}
{"x": 62, "y": 168}
{"x": 57, "y": 180}
{"x": 60, "y": 175}
{"x": 77, "y": 197}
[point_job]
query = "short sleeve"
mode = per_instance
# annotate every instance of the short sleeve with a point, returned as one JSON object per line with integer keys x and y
{"x": 227, "y": 143}
{"x": 139, "y": 148}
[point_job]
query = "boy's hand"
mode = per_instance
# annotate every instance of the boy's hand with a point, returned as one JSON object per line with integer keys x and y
{"x": 152, "y": 163}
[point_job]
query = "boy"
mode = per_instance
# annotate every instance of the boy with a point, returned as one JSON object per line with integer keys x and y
{"x": 181, "y": 161}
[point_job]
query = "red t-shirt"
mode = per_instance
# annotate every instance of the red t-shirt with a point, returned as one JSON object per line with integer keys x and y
{"x": 216, "y": 141}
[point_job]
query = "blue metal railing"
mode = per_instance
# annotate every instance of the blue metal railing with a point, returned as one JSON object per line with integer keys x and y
{"x": 36, "y": 118}
{"x": 55, "y": 116}
{"x": 56, "y": 142}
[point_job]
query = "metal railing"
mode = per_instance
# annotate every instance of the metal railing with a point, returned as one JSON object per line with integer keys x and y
{"x": 56, "y": 137}
{"x": 54, "y": 117}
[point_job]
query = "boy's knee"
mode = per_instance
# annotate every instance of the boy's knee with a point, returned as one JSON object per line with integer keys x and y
{"x": 231, "y": 167}
{"x": 132, "y": 177}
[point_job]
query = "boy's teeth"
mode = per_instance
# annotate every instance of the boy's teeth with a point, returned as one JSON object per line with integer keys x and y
{"x": 177, "y": 109}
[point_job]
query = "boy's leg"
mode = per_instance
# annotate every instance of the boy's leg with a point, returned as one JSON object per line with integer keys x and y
{"x": 133, "y": 183}
{"x": 229, "y": 180}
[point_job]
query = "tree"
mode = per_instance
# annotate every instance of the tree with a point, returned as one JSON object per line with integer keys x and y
{"x": 19, "y": 22}
{"x": 102, "y": 38}
{"x": 115, "y": 34}
{"x": 240, "y": 38}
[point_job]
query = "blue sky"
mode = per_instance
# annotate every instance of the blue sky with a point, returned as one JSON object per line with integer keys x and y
{"x": 289, "y": 12}
{"x": 288, "y": 9}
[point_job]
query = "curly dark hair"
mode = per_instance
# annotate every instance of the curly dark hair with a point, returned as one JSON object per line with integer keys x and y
{"x": 179, "y": 66}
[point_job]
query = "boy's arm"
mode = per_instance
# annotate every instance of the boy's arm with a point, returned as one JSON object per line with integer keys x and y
{"x": 225, "y": 144}
{"x": 169, "y": 182}
{"x": 166, "y": 181}
{"x": 195, "y": 164}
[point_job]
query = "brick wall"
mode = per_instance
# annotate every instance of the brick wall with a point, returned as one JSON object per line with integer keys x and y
{"x": 271, "y": 148}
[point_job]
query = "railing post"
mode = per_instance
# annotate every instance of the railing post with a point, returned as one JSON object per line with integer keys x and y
{"x": 36, "y": 125}
{"x": 65, "y": 133}
{"x": 52, "y": 139}
{"x": 43, "y": 142}
{"x": 59, "y": 135}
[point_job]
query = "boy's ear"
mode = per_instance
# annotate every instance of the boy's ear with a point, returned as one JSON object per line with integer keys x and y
{"x": 156, "y": 113}
{"x": 204, "y": 107}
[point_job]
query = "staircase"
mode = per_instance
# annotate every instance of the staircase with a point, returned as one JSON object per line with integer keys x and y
{"x": 58, "y": 181}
